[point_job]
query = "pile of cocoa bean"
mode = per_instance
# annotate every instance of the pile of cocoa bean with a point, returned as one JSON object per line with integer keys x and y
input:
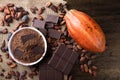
{"x": 19, "y": 13}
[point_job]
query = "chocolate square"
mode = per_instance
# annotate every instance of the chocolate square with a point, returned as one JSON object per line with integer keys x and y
{"x": 27, "y": 37}
{"x": 18, "y": 53}
{"x": 60, "y": 50}
{"x": 54, "y": 60}
{"x": 54, "y": 33}
{"x": 65, "y": 59}
{"x": 46, "y": 72}
{"x": 39, "y": 24}
{"x": 61, "y": 64}
{"x": 37, "y": 50}
{"x": 52, "y": 19}
{"x": 68, "y": 53}
{"x": 49, "y": 25}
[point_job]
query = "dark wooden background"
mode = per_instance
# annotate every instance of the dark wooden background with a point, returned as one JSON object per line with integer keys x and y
{"x": 107, "y": 14}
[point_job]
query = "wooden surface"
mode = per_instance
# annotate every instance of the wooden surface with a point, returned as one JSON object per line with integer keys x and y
{"x": 107, "y": 14}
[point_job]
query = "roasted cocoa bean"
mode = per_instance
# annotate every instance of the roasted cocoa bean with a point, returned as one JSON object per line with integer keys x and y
{"x": 86, "y": 68}
{"x": 13, "y": 65}
{"x": 41, "y": 10}
{"x": 48, "y": 4}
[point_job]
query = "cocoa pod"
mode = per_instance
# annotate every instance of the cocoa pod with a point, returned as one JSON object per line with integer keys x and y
{"x": 85, "y": 31}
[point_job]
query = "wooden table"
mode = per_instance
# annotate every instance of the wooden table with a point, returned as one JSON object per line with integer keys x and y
{"x": 107, "y": 14}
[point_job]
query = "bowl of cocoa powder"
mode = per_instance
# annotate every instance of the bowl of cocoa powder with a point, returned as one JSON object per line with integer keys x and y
{"x": 27, "y": 46}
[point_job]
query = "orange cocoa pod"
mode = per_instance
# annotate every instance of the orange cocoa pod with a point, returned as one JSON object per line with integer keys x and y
{"x": 85, "y": 31}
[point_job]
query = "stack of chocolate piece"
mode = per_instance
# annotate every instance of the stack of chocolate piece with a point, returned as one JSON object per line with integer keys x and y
{"x": 63, "y": 58}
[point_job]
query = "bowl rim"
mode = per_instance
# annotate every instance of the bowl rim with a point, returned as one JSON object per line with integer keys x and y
{"x": 31, "y": 63}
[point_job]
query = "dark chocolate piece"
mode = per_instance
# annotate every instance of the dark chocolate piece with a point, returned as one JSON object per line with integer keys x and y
{"x": 52, "y": 18}
{"x": 39, "y": 24}
{"x": 63, "y": 59}
{"x": 49, "y": 25}
{"x": 48, "y": 73}
{"x": 54, "y": 33}
{"x": 27, "y": 37}
{"x": 18, "y": 53}
{"x": 54, "y": 8}
{"x": 38, "y": 50}
{"x": 44, "y": 31}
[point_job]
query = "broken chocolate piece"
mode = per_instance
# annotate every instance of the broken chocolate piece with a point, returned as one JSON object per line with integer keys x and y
{"x": 52, "y": 18}
{"x": 44, "y": 31}
{"x": 27, "y": 37}
{"x": 49, "y": 25}
{"x": 54, "y": 8}
{"x": 18, "y": 53}
{"x": 38, "y": 50}
{"x": 54, "y": 33}
{"x": 48, "y": 73}
{"x": 39, "y": 24}
{"x": 63, "y": 59}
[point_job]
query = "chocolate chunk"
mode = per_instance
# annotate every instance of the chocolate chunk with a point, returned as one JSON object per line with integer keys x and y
{"x": 54, "y": 8}
{"x": 18, "y": 53}
{"x": 48, "y": 73}
{"x": 49, "y": 25}
{"x": 27, "y": 37}
{"x": 54, "y": 33}
{"x": 39, "y": 24}
{"x": 37, "y": 50}
{"x": 63, "y": 59}
{"x": 44, "y": 31}
{"x": 52, "y": 18}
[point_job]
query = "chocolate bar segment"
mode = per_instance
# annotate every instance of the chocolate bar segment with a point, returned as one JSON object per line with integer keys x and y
{"x": 46, "y": 72}
{"x": 63, "y": 59}
{"x": 27, "y": 37}
{"x": 49, "y": 25}
{"x": 38, "y": 50}
{"x": 52, "y": 19}
{"x": 18, "y": 53}
{"x": 39, "y": 24}
{"x": 54, "y": 34}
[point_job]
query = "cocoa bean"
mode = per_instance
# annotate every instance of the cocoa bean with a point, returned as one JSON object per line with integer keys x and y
{"x": 4, "y": 31}
{"x": 94, "y": 73}
{"x": 90, "y": 71}
{"x": 82, "y": 59}
{"x": 41, "y": 10}
{"x": 9, "y": 63}
{"x": 48, "y": 4}
{"x": 1, "y": 22}
{"x": 2, "y": 74}
{"x": 82, "y": 67}
{"x": 7, "y": 55}
{"x": 94, "y": 67}
{"x": 6, "y": 10}
{"x": 12, "y": 73}
{"x": 18, "y": 15}
{"x": 17, "y": 74}
{"x": 10, "y": 5}
{"x": 25, "y": 18}
{"x": 13, "y": 65}
{"x": 70, "y": 77}
{"x": 40, "y": 17}
{"x": 86, "y": 67}
{"x": 8, "y": 76}
{"x": 1, "y": 60}
{"x": 2, "y": 9}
